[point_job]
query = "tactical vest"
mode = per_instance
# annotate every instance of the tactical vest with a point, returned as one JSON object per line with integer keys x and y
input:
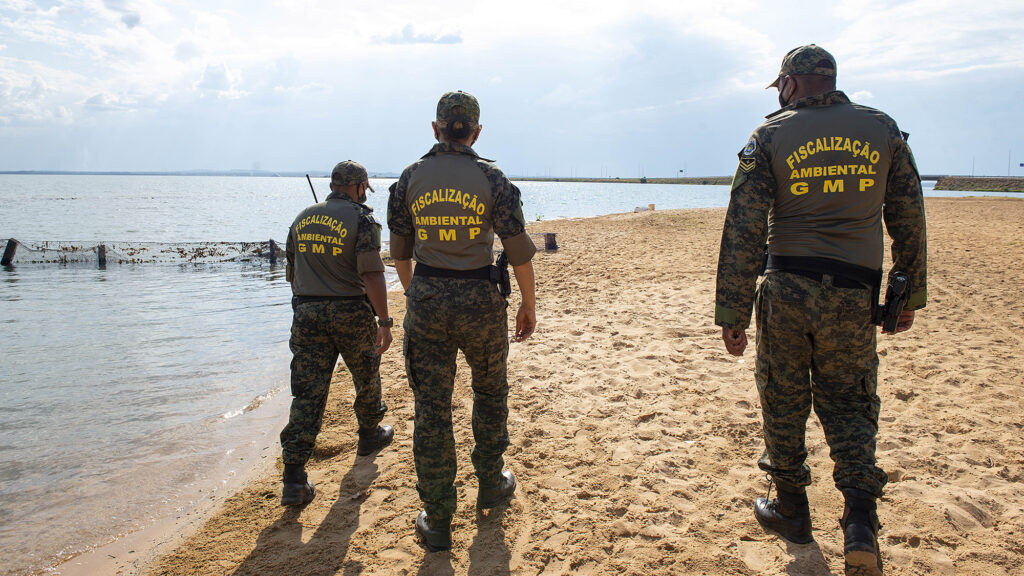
{"x": 831, "y": 164}
{"x": 451, "y": 200}
{"x": 324, "y": 237}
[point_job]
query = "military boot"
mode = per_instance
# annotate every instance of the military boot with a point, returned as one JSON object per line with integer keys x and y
{"x": 298, "y": 490}
{"x": 436, "y": 534}
{"x": 497, "y": 494}
{"x": 860, "y": 534}
{"x": 373, "y": 439}
{"x": 788, "y": 514}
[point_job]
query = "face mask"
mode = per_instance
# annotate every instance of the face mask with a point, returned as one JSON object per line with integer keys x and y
{"x": 783, "y": 99}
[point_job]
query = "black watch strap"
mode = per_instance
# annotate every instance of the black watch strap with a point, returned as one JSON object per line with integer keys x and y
{"x": 386, "y": 322}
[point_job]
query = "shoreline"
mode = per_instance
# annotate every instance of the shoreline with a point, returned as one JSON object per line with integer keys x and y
{"x": 634, "y": 435}
{"x": 131, "y": 552}
{"x": 980, "y": 184}
{"x": 689, "y": 180}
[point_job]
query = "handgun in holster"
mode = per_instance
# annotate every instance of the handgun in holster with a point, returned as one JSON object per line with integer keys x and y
{"x": 499, "y": 276}
{"x": 897, "y": 293}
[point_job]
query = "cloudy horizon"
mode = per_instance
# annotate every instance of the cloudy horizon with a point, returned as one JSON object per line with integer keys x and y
{"x": 567, "y": 88}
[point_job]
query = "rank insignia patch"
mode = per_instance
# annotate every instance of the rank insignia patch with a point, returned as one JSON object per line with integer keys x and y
{"x": 751, "y": 146}
{"x": 747, "y": 165}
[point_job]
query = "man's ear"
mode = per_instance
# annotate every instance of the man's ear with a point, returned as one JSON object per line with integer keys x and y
{"x": 791, "y": 87}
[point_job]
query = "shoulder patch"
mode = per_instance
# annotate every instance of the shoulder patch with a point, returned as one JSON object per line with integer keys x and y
{"x": 747, "y": 164}
{"x": 751, "y": 147}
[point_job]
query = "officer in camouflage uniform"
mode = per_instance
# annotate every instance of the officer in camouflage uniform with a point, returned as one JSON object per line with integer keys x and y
{"x": 815, "y": 182}
{"x": 337, "y": 279}
{"x": 444, "y": 211}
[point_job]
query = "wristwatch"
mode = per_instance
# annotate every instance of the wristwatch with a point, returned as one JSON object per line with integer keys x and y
{"x": 385, "y": 322}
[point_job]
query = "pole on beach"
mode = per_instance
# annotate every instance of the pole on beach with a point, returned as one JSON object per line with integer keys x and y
{"x": 311, "y": 189}
{"x": 273, "y": 250}
{"x": 101, "y": 254}
{"x": 549, "y": 241}
{"x": 12, "y": 247}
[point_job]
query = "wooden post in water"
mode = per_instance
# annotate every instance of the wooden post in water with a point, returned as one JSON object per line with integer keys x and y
{"x": 101, "y": 254}
{"x": 549, "y": 241}
{"x": 273, "y": 252}
{"x": 12, "y": 247}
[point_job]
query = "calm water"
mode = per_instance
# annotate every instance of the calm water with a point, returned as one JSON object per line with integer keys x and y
{"x": 125, "y": 391}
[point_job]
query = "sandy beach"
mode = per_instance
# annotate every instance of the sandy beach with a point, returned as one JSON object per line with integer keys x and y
{"x": 635, "y": 435}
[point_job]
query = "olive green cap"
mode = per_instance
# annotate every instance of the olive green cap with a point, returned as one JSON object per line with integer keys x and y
{"x": 349, "y": 172}
{"x": 809, "y": 59}
{"x": 457, "y": 105}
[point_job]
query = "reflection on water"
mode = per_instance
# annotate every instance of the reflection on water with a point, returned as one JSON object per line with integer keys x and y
{"x": 114, "y": 392}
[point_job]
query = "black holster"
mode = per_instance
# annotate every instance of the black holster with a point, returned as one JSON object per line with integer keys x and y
{"x": 499, "y": 276}
{"x": 897, "y": 293}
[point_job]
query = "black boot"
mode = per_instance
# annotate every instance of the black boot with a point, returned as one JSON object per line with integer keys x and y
{"x": 298, "y": 490}
{"x": 373, "y": 439}
{"x": 789, "y": 514}
{"x": 436, "y": 535}
{"x": 860, "y": 534}
{"x": 499, "y": 493}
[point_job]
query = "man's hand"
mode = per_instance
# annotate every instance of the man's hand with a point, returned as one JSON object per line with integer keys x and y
{"x": 526, "y": 322}
{"x": 904, "y": 323}
{"x": 735, "y": 341}
{"x": 383, "y": 339}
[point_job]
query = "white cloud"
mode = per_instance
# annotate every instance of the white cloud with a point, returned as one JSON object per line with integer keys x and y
{"x": 217, "y": 78}
{"x": 103, "y": 103}
{"x": 29, "y": 101}
{"x": 924, "y": 39}
{"x": 187, "y": 50}
{"x": 312, "y": 87}
{"x": 131, "y": 19}
{"x": 862, "y": 96}
{"x": 680, "y": 72}
{"x": 409, "y": 35}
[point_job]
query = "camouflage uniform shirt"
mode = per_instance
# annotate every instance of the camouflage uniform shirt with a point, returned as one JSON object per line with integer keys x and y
{"x": 769, "y": 178}
{"x": 477, "y": 213}
{"x": 330, "y": 245}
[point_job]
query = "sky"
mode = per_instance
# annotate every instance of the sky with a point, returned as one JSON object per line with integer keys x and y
{"x": 654, "y": 88}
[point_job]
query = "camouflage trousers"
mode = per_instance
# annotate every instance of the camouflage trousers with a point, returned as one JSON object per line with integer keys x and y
{"x": 443, "y": 316}
{"x": 320, "y": 331}
{"x": 816, "y": 347}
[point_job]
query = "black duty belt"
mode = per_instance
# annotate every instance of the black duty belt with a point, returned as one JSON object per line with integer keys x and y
{"x": 296, "y": 300}
{"x": 844, "y": 274}
{"x": 474, "y": 274}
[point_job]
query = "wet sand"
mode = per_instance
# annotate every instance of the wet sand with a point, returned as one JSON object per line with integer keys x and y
{"x": 634, "y": 435}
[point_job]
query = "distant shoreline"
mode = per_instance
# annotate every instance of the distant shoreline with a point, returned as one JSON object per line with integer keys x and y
{"x": 704, "y": 180}
{"x": 980, "y": 184}
{"x": 249, "y": 173}
{"x": 942, "y": 182}
{"x": 707, "y": 180}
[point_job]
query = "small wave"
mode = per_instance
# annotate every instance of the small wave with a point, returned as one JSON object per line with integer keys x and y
{"x": 253, "y": 404}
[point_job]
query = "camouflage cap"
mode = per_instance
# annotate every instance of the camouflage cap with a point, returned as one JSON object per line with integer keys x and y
{"x": 810, "y": 59}
{"x": 347, "y": 173}
{"x": 457, "y": 104}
